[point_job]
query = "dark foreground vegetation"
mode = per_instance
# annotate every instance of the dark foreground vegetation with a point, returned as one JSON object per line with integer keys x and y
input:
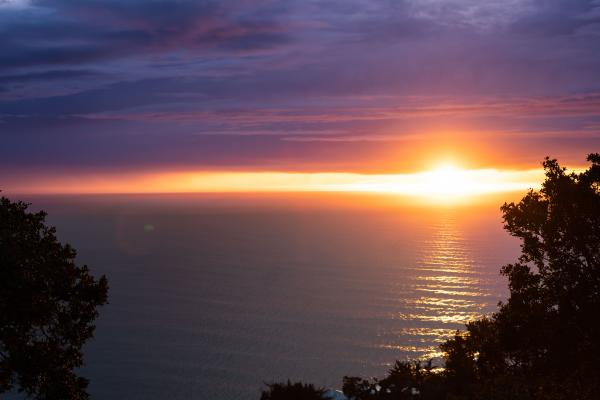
{"x": 544, "y": 341}
{"x": 292, "y": 391}
{"x": 47, "y": 308}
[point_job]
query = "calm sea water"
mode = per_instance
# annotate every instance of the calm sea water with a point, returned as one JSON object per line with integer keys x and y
{"x": 210, "y": 296}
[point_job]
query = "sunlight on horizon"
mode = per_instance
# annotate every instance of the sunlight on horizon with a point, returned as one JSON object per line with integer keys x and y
{"x": 446, "y": 183}
{"x": 449, "y": 183}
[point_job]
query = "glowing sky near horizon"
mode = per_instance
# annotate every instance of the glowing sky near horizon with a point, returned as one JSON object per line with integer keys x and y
{"x": 93, "y": 92}
{"x": 443, "y": 184}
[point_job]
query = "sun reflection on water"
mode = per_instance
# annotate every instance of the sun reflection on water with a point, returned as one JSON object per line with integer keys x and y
{"x": 447, "y": 291}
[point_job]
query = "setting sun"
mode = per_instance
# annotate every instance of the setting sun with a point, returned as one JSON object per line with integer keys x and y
{"x": 446, "y": 183}
{"x": 448, "y": 180}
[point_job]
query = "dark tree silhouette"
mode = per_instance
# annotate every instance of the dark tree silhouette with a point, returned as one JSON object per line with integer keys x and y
{"x": 293, "y": 391}
{"x": 544, "y": 342}
{"x": 406, "y": 380}
{"x": 47, "y": 308}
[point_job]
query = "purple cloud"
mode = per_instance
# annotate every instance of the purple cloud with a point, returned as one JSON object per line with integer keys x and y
{"x": 265, "y": 83}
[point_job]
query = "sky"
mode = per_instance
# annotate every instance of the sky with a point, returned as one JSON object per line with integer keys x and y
{"x": 97, "y": 89}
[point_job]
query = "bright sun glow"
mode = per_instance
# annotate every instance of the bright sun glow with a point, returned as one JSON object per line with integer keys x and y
{"x": 443, "y": 184}
{"x": 448, "y": 180}
{"x": 448, "y": 183}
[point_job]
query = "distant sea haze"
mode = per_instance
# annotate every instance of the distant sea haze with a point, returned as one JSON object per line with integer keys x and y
{"x": 210, "y": 296}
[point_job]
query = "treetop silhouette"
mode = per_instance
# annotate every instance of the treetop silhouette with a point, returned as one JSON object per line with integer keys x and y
{"x": 48, "y": 305}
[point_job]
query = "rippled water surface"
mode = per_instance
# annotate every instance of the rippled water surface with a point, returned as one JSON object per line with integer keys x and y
{"x": 211, "y": 296}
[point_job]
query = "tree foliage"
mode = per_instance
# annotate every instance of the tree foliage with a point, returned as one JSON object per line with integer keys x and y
{"x": 47, "y": 308}
{"x": 405, "y": 381}
{"x": 293, "y": 391}
{"x": 544, "y": 341}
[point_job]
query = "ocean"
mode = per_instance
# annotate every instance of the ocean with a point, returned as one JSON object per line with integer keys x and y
{"x": 211, "y": 296}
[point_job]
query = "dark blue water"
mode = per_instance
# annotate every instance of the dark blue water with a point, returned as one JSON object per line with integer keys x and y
{"x": 211, "y": 296}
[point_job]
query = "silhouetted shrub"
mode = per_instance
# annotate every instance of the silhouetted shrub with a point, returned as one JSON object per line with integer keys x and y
{"x": 293, "y": 391}
{"x": 405, "y": 381}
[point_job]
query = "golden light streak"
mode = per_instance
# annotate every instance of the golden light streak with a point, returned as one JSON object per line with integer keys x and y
{"x": 443, "y": 184}
{"x": 448, "y": 183}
